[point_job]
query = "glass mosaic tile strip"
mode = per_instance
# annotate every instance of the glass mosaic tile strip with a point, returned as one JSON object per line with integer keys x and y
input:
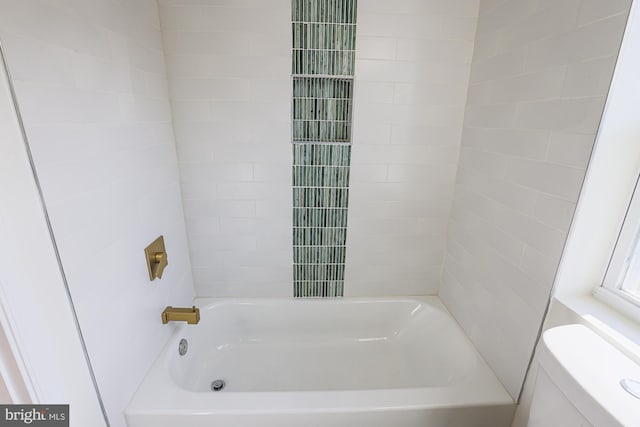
{"x": 322, "y": 109}
{"x": 324, "y": 37}
{"x": 321, "y": 155}
{"x": 320, "y": 202}
{"x": 318, "y": 272}
{"x": 323, "y": 63}
{"x": 320, "y": 197}
{"x": 338, "y": 11}
{"x": 319, "y": 236}
{"x": 331, "y": 218}
{"x": 319, "y": 255}
{"x": 319, "y": 289}
{"x": 321, "y": 176}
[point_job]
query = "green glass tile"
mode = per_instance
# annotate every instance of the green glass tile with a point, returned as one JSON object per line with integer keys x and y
{"x": 316, "y": 236}
{"x": 321, "y": 154}
{"x": 320, "y": 197}
{"x": 323, "y": 62}
{"x": 341, "y": 11}
{"x": 319, "y": 255}
{"x": 328, "y": 36}
{"x": 320, "y": 289}
{"x": 321, "y": 176}
{"x": 324, "y": 43}
{"x": 328, "y": 218}
{"x": 322, "y": 109}
{"x": 318, "y": 272}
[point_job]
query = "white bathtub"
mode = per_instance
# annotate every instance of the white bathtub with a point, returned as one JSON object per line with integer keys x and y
{"x": 304, "y": 363}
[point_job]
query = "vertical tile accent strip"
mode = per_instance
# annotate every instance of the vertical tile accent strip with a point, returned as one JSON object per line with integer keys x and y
{"x": 322, "y": 109}
{"x": 323, "y": 61}
{"x": 324, "y": 37}
{"x": 320, "y": 203}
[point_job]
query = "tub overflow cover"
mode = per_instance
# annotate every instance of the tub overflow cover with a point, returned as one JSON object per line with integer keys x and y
{"x": 183, "y": 347}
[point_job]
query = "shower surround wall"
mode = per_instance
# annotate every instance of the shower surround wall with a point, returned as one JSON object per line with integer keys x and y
{"x": 539, "y": 78}
{"x": 91, "y": 85}
{"x": 412, "y": 69}
{"x": 229, "y": 67}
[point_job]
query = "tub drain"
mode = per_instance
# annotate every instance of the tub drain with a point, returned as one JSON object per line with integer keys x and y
{"x": 217, "y": 385}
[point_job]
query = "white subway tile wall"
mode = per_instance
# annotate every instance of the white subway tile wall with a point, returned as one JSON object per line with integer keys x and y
{"x": 90, "y": 79}
{"x": 229, "y": 68}
{"x": 231, "y": 105}
{"x": 540, "y": 75}
{"x": 412, "y": 70}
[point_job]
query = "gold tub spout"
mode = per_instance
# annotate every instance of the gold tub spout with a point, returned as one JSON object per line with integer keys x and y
{"x": 189, "y": 315}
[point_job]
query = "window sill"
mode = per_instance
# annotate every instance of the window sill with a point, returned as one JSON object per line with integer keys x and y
{"x": 619, "y": 302}
{"x": 621, "y": 331}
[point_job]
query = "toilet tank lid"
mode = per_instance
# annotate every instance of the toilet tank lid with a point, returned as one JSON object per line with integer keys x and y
{"x": 588, "y": 370}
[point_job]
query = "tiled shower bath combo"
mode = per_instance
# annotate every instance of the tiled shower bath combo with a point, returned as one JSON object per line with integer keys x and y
{"x": 364, "y": 206}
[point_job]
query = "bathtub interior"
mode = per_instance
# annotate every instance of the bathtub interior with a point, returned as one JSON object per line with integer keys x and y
{"x": 311, "y": 345}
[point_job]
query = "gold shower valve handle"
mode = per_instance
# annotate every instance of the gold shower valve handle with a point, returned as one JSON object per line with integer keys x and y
{"x": 159, "y": 257}
{"x": 160, "y": 262}
{"x": 156, "y": 256}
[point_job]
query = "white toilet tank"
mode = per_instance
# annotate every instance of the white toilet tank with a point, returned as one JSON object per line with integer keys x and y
{"x": 551, "y": 408}
{"x": 578, "y": 382}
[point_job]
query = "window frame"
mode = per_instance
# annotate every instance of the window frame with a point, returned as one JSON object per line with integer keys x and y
{"x": 625, "y": 253}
